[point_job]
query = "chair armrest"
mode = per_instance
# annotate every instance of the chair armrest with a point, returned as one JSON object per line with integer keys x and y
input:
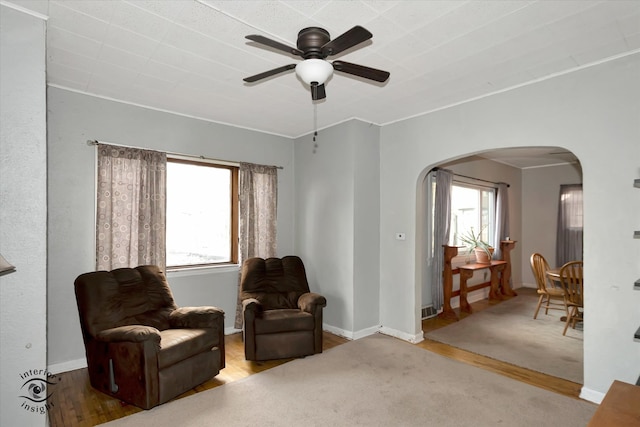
{"x": 130, "y": 333}
{"x": 251, "y": 309}
{"x": 253, "y": 305}
{"x": 196, "y": 317}
{"x": 310, "y": 301}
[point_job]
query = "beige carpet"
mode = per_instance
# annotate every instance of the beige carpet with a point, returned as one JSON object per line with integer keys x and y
{"x": 507, "y": 332}
{"x": 374, "y": 381}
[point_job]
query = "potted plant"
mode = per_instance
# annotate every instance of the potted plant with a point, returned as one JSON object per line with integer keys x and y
{"x": 483, "y": 250}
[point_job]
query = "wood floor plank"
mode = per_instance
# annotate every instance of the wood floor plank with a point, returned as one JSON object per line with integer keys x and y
{"x": 77, "y": 404}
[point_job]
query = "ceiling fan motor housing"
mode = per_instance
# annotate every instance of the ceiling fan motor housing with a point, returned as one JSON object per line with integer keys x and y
{"x": 311, "y": 40}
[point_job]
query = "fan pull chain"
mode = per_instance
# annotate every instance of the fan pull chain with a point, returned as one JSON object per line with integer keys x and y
{"x": 315, "y": 127}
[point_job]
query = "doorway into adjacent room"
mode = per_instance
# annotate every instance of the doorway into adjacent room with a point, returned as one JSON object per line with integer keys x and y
{"x": 535, "y": 176}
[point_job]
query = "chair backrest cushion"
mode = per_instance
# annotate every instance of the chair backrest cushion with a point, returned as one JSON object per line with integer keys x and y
{"x": 125, "y": 296}
{"x": 275, "y": 282}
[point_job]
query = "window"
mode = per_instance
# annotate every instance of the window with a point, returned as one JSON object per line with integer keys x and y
{"x": 472, "y": 207}
{"x": 571, "y": 206}
{"x": 569, "y": 233}
{"x": 202, "y": 213}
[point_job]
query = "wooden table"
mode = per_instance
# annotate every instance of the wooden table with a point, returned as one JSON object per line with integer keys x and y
{"x": 554, "y": 275}
{"x": 506, "y": 246}
{"x": 619, "y": 408}
{"x": 499, "y": 284}
{"x": 497, "y": 269}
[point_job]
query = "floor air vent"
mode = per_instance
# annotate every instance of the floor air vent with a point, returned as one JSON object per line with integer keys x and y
{"x": 429, "y": 312}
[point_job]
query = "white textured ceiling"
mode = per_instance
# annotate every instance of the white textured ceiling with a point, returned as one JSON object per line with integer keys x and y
{"x": 190, "y": 56}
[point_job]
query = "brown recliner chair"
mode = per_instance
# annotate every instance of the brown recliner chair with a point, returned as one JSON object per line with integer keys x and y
{"x": 282, "y": 319}
{"x": 141, "y": 348}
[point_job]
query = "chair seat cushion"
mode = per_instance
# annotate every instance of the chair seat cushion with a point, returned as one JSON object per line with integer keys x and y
{"x": 284, "y": 320}
{"x": 180, "y": 344}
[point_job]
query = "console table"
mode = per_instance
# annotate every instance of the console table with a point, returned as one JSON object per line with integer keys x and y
{"x": 499, "y": 282}
{"x": 620, "y": 407}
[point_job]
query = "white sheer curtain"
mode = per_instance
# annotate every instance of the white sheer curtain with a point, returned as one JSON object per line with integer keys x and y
{"x": 131, "y": 205}
{"x": 502, "y": 218}
{"x": 441, "y": 231}
{"x": 258, "y": 186}
{"x": 569, "y": 232}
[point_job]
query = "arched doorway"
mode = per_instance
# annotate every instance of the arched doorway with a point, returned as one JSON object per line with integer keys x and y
{"x": 535, "y": 176}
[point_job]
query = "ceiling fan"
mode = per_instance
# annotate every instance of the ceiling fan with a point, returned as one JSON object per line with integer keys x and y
{"x": 314, "y": 45}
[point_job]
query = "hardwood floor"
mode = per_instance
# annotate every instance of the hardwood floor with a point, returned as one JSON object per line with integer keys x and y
{"x": 75, "y": 403}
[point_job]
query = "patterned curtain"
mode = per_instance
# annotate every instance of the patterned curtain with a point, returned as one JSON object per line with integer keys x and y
{"x": 258, "y": 210}
{"x": 441, "y": 231}
{"x": 130, "y": 224}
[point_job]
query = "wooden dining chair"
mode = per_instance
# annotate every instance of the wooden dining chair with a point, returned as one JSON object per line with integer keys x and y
{"x": 571, "y": 280}
{"x": 550, "y": 295}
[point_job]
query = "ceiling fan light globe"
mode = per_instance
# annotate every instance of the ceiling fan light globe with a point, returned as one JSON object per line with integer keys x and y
{"x": 314, "y": 70}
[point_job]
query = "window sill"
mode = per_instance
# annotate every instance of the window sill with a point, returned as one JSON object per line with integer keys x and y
{"x": 209, "y": 269}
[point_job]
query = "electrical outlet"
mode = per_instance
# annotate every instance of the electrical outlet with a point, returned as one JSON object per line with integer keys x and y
{"x": 400, "y": 236}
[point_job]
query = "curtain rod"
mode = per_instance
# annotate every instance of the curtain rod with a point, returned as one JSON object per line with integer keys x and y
{"x": 94, "y": 142}
{"x": 477, "y": 179}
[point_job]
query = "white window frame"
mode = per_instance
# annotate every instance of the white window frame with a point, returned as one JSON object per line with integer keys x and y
{"x": 464, "y": 256}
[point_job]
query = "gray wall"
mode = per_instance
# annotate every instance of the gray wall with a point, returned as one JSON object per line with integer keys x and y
{"x": 74, "y": 118}
{"x": 337, "y": 206}
{"x": 366, "y": 218}
{"x": 324, "y": 220}
{"x": 23, "y": 217}
{"x": 541, "y": 189}
{"x": 593, "y": 112}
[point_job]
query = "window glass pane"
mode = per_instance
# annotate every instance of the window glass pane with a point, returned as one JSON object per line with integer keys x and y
{"x": 488, "y": 214}
{"x": 571, "y": 208}
{"x": 471, "y": 208}
{"x": 464, "y": 212}
{"x": 198, "y": 214}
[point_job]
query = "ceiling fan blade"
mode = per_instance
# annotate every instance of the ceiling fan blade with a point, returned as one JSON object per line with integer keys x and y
{"x": 317, "y": 91}
{"x": 361, "y": 71}
{"x": 274, "y": 44}
{"x": 269, "y": 73}
{"x": 351, "y": 38}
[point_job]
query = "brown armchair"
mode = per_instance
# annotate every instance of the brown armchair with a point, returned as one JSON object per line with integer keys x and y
{"x": 282, "y": 318}
{"x": 140, "y": 347}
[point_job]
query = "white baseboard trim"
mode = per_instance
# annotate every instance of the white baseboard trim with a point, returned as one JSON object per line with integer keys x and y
{"x": 413, "y": 339}
{"x": 338, "y": 331}
{"x": 591, "y": 395}
{"x": 231, "y": 330}
{"x": 366, "y": 332}
{"x": 479, "y": 296}
{"x": 482, "y": 294}
{"x": 71, "y": 365}
{"x": 474, "y": 296}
